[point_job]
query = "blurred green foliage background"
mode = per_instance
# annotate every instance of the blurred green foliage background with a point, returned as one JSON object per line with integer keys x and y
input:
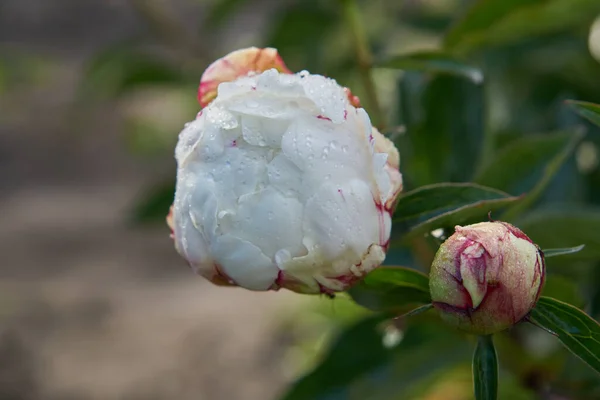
{"x": 470, "y": 90}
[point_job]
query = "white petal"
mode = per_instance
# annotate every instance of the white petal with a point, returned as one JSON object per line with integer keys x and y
{"x": 271, "y": 221}
{"x": 326, "y": 152}
{"x": 203, "y": 208}
{"x": 244, "y": 263}
{"x": 188, "y": 138}
{"x": 285, "y": 176}
{"x": 263, "y": 131}
{"x": 328, "y": 96}
{"x": 237, "y": 171}
{"x": 381, "y": 176}
{"x": 191, "y": 241}
{"x": 341, "y": 217}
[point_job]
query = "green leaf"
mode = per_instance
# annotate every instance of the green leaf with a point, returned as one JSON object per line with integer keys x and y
{"x": 297, "y": 30}
{"x": 587, "y": 110}
{"x": 433, "y": 61}
{"x": 444, "y": 120}
{"x": 565, "y": 227}
{"x": 361, "y": 364}
{"x": 498, "y": 22}
{"x": 518, "y": 166}
{"x": 485, "y": 369}
{"x": 577, "y": 331}
{"x": 393, "y": 289}
{"x": 528, "y": 165}
{"x": 357, "y": 350}
{"x": 418, "y": 310}
{"x": 562, "y": 251}
{"x": 445, "y": 205}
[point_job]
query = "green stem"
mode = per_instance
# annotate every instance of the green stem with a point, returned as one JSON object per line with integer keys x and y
{"x": 485, "y": 369}
{"x": 364, "y": 59}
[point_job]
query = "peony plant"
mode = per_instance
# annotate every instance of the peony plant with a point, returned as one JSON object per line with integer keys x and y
{"x": 284, "y": 182}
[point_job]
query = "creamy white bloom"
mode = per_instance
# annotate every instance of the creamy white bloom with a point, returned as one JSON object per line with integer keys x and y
{"x": 281, "y": 182}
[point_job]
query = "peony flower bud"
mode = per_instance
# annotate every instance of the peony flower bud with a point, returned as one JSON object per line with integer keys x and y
{"x": 486, "y": 277}
{"x": 281, "y": 180}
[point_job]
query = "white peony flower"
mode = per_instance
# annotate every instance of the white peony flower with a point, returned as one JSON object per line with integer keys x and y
{"x": 281, "y": 182}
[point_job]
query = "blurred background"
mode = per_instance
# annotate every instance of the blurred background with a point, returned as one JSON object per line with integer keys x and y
{"x": 94, "y": 301}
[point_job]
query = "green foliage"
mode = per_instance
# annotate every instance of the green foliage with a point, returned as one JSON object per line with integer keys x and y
{"x": 563, "y": 251}
{"x": 569, "y": 227}
{"x": 443, "y": 107}
{"x": 295, "y": 31}
{"x": 120, "y": 69}
{"x": 445, "y": 205}
{"x": 155, "y": 204}
{"x": 486, "y": 127}
{"x": 434, "y": 62}
{"x": 392, "y": 289}
{"x": 443, "y": 116}
{"x": 526, "y": 160}
{"x": 563, "y": 289}
{"x": 578, "y": 332}
{"x": 485, "y": 369}
{"x": 499, "y": 22}
{"x": 345, "y": 361}
{"x": 588, "y": 110}
{"x": 221, "y": 11}
{"x": 363, "y": 364}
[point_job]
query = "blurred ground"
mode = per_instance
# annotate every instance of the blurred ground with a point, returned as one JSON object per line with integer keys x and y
{"x": 92, "y": 307}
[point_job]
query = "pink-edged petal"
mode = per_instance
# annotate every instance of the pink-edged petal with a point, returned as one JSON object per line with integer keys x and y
{"x": 235, "y": 65}
{"x": 354, "y": 100}
{"x": 170, "y": 223}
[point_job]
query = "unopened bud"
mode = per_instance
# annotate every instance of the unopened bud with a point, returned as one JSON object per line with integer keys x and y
{"x": 486, "y": 277}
